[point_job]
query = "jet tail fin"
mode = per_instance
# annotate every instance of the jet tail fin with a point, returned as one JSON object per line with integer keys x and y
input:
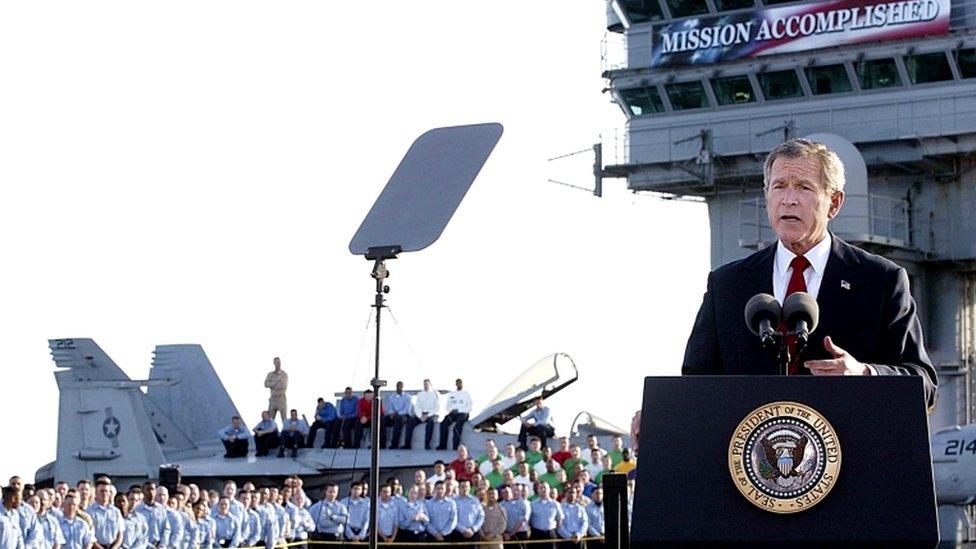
{"x": 198, "y": 404}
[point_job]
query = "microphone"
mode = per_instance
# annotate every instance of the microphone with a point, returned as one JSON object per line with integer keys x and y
{"x": 762, "y": 316}
{"x": 801, "y": 312}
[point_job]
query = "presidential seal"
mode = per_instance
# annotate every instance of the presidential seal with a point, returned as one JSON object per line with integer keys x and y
{"x": 784, "y": 457}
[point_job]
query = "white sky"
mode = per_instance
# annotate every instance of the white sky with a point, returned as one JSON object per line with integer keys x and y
{"x": 192, "y": 172}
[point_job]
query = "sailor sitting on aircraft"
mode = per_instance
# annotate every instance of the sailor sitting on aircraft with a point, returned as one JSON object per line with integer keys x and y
{"x": 234, "y": 437}
{"x": 266, "y": 436}
{"x": 293, "y": 434}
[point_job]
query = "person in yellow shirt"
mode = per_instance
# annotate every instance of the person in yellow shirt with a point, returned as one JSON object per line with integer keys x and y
{"x": 627, "y": 463}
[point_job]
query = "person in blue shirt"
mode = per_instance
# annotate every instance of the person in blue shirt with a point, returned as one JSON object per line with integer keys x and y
{"x": 594, "y": 516}
{"x": 329, "y": 514}
{"x": 135, "y": 531}
{"x": 413, "y": 518}
{"x": 442, "y": 512}
{"x": 293, "y": 434}
{"x": 155, "y": 515}
{"x": 537, "y": 423}
{"x": 357, "y": 529}
{"x": 30, "y": 528}
{"x": 50, "y": 523}
{"x": 266, "y": 437}
{"x": 347, "y": 416}
{"x": 106, "y": 518}
{"x": 327, "y": 418}
{"x": 10, "y": 533}
{"x": 387, "y": 513}
{"x": 546, "y": 515}
{"x": 517, "y": 513}
{"x": 399, "y": 410}
{"x": 228, "y": 527}
{"x": 575, "y": 522}
{"x": 470, "y": 514}
{"x": 77, "y": 534}
{"x": 234, "y": 437}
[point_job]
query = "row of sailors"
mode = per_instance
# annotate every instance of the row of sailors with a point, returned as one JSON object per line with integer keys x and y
{"x": 265, "y": 517}
{"x": 458, "y": 518}
{"x": 124, "y": 522}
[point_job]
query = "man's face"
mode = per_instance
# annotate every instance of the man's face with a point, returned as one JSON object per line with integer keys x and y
{"x": 459, "y": 384}
{"x": 563, "y": 444}
{"x": 70, "y": 507}
{"x": 263, "y": 495}
{"x": 61, "y": 488}
{"x": 385, "y": 493}
{"x": 439, "y": 468}
{"x": 797, "y": 203}
{"x": 592, "y": 441}
{"x": 331, "y": 492}
{"x": 510, "y": 450}
{"x": 84, "y": 491}
{"x": 356, "y": 491}
{"x": 571, "y": 495}
{"x": 230, "y": 490}
{"x": 462, "y": 453}
{"x": 464, "y": 488}
{"x": 538, "y": 404}
{"x": 17, "y": 484}
{"x": 223, "y": 507}
{"x": 277, "y": 363}
{"x": 576, "y": 452}
{"x": 348, "y": 393}
{"x": 535, "y": 445}
{"x": 618, "y": 443}
{"x": 426, "y": 384}
{"x": 265, "y": 416}
{"x": 368, "y": 396}
{"x": 236, "y": 422}
{"x": 597, "y": 496}
{"x": 294, "y": 414}
{"x": 399, "y": 386}
{"x": 439, "y": 490}
{"x": 103, "y": 494}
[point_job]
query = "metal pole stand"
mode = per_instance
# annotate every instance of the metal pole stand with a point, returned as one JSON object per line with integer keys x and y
{"x": 379, "y": 255}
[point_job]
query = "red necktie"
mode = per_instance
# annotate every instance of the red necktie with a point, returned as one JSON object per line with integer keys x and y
{"x": 797, "y": 284}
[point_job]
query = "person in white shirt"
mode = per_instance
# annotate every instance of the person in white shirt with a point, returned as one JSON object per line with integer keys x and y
{"x": 425, "y": 408}
{"x": 457, "y": 408}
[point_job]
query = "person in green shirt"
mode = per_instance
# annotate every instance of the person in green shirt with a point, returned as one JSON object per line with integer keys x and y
{"x": 570, "y": 464}
{"x": 550, "y": 477}
{"x": 534, "y": 455}
{"x": 617, "y": 453}
{"x": 496, "y": 477}
{"x": 607, "y": 468}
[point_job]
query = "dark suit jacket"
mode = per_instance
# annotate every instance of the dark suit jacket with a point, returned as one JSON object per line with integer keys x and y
{"x": 874, "y": 320}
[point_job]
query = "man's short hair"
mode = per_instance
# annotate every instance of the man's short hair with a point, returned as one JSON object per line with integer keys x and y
{"x": 329, "y": 484}
{"x": 831, "y": 167}
{"x": 104, "y": 481}
{"x": 356, "y": 484}
{"x": 9, "y": 492}
{"x": 439, "y": 462}
{"x": 294, "y": 410}
{"x": 235, "y": 417}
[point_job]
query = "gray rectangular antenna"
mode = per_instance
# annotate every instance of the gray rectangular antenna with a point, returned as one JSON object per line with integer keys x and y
{"x": 426, "y": 189}
{"x": 409, "y": 215}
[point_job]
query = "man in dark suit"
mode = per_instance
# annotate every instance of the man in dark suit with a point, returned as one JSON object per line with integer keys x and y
{"x": 868, "y": 324}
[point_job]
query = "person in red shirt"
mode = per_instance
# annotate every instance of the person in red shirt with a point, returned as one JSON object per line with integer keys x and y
{"x": 364, "y": 411}
{"x": 470, "y": 468}
{"x": 564, "y": 453}
{"x": 458, "y": 464}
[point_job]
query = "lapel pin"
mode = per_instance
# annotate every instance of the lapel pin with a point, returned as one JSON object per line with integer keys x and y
{"x": 845, "y": 284}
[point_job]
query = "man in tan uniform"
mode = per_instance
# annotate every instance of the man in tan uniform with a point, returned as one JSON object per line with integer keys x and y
{"x": 277, "y": 381}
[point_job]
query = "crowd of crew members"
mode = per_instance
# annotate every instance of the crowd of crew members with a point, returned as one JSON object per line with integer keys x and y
{"x": 508, "y": 494}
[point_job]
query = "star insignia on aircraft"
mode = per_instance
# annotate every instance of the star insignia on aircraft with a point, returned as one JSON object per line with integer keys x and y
{"x": 111, "y": 427}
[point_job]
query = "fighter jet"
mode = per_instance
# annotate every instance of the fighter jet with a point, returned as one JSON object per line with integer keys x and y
{"x": 129, "y": 429}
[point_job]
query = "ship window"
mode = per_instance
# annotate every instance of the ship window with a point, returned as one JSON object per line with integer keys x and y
{"x": 643, "y": 101}
{"x": 780, "y": 84}
{"x": 687, "y": 95}
{"x": 928, "y": 67}
{"x": 723, "y": 5}
{"x": 684, "y": 8}
{"x": 733, "y": 90}
{"x": 828, "y": 79}
{"x": 966, "y": 59}
{"x": 642, "y": 11}
{"x": 876, "y": 74}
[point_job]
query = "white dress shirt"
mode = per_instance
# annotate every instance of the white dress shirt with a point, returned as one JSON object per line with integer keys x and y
{"x": 782, "y": 271}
